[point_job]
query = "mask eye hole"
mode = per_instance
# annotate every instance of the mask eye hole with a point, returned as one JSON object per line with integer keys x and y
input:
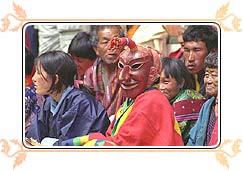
{"x": 120, "y": 65}
{"x": 136, "y": 66}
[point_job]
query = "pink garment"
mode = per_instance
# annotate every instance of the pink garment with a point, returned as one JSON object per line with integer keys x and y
{"x": 214, "y": 137}
{"x": 77, "y": 83}
{"x": 110, "y": 96}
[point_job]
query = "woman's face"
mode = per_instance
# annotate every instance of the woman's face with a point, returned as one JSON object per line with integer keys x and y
{"x": 211, "y": 81}
{"x": 168, "y": 86}
{"x": 41, "y": 80}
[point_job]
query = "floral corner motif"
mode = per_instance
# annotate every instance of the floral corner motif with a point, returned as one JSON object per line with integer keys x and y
{"x": 18, "y": 155}
{"x": 13, "y": 21}
{"x": 227, "y": 149}
{"x": 227, "y": 21}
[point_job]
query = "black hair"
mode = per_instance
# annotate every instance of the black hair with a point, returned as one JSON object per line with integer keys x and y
{"x": 81, "y": 46}
{"x": 211, "y": 61}
{"x": 204, "y": 33}
{"x": 60, "y": 63}
{"x": 176, "y": 69}
{"x": 96, "y": 28}
{"x": 29, "y": 61}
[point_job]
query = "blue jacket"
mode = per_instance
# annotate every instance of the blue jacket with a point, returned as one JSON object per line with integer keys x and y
{"x": 77, "y": 114}
{"x": 198, "y": 132}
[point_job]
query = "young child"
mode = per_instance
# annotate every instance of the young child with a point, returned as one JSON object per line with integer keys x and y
{"x": 83, "y": 54}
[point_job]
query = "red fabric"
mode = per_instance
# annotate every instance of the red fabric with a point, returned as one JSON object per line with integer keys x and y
{"x": 214, "y": 136}
{"x": 117, "y": 43}
{"x": 150, "y": 123}
{"x": 188, "y": 106}
{"x": 176, "y": 54}
{"x": 27, "y": 41}
{"x": 28, "y": 79}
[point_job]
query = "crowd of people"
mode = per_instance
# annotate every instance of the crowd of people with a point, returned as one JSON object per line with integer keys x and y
{"x": 108, "y": 89}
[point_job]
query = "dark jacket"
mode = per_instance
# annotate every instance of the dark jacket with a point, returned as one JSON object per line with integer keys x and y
{"x": 79, "y": 114}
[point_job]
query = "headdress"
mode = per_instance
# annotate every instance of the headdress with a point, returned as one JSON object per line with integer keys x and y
{"x": 122, "y": 43}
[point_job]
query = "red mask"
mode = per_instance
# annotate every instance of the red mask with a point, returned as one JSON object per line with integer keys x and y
{"x": 138, "y": 66}
{"x": 136, "y": 71}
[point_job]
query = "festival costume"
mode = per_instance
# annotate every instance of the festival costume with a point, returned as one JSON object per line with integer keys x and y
{"x": 33, "y": 102}
{"x": 147, "y": 121}
{"x": 198, "y": 81}
{"x": 146, "y": 117}
{"x": 76, "y": 114}
{"x": 110, "y": 96}
{"x": 187, "y": 104}
{"x": 199, "y": 132}
{"x": 214, "y": 137}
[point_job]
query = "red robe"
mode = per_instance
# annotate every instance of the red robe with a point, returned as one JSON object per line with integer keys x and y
{"x": 151, "y": 122}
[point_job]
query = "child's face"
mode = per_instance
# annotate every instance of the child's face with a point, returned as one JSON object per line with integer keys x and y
{"x": 42, "y": 81}
{"x": 82, "y": 64}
